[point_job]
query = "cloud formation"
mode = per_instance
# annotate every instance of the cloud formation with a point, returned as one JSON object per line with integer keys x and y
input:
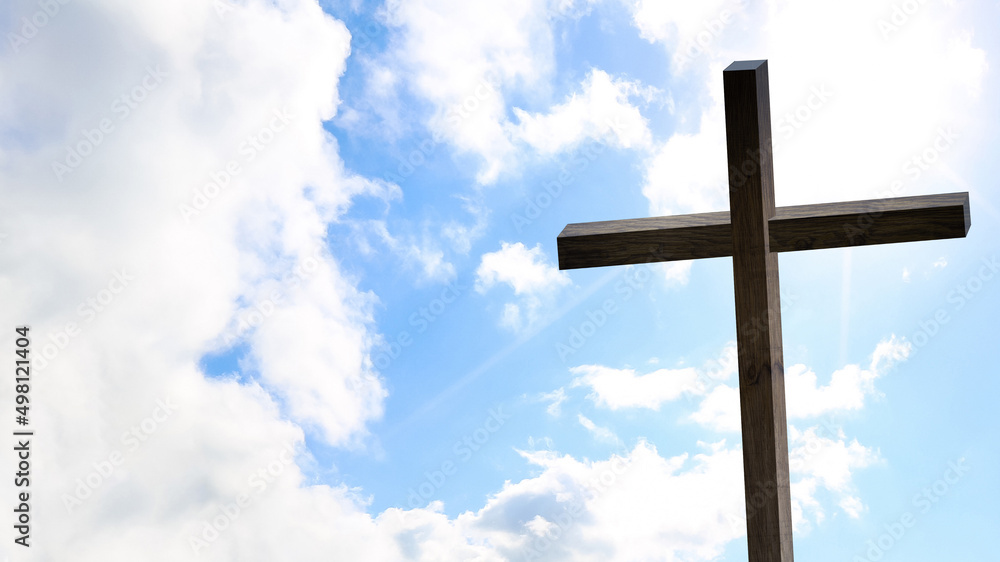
{"x": 528, "y": 273}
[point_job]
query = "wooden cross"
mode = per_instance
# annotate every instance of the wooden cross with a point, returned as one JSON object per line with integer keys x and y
{"x": 753, "y": 231}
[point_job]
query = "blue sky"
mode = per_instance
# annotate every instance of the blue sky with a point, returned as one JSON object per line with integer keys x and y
{"x": 316, "y": 258}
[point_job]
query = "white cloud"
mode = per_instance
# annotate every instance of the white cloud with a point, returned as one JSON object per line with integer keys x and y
{"x": 462, "y": 235}
{"x": 460, "y": 56}
{"x": 887, "y": 353}
{"x": 820, "y": 457}
{"x": 600, "y": 433}
{"x": 852, "y": 506}
{"x": 876, "y": 84}
{"x": 825, "y": 458}
{"x": 326, "y": 386}
{"x": 642, "y": 506}
{"x": 601, "y": 112}
{"x": 467, "y": 59}
{"x": 720, "y": 409}
{"x": 530, "y": 276}
{"x": 421, "y": 253}
{"x": 571, "y": 8}
{"x": 622, "y": 388}
{"x": 848, "y": 386}
{"x": 621, "y": 508}
{"x": 556, "y": 399}
{"x": 688, "y": 172}
{"x": 687, "y": 29}
{"x": 262, "y": 70}
{"x": 804, "y": 396}
{"x": 676, "y": 273}
{"x": 525, "y": 270}
{"x": 225, "y": 77}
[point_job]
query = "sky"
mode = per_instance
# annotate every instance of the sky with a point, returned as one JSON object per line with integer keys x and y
{"x": 287, "y": 277}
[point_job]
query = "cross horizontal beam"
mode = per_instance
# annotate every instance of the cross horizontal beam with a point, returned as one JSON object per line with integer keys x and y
{"x": 800, "y": 227}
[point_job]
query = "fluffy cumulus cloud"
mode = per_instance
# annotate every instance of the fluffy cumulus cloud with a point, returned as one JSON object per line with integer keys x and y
{"x": 637, "y": 505}
{"x": 848, "y": 386}
{"x": 822, "y": 458}
{"x": 640, "y": 505}
{"x": 459, "y": 56}
{"x": 622, "y": 388}
{"x": 719, "y": 403}
{"x": 602, "y": 112}
{"x": 173, "y": 183}
{"x": 687, "y": 172}
{"x": 805, "y": 397}
{"x": 717, "y": 411}
{"x": 528, "y": 273}
{"x": 820, "y": 99}
{"x": 687, "y": 29}
{"x": 466, "y": 60}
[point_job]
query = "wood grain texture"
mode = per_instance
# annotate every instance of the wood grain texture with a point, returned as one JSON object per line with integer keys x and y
{"x": 863, "y": 223}
{"x": 758, "y": 313}
{"x": 753, "y": 234}
{"x": 801, "y": 227}
{"x": 656, "y": 239}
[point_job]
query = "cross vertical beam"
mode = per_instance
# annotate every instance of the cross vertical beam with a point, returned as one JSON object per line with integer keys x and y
{"x": 758, "y": 313}
{"x": 752, "y": 232}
